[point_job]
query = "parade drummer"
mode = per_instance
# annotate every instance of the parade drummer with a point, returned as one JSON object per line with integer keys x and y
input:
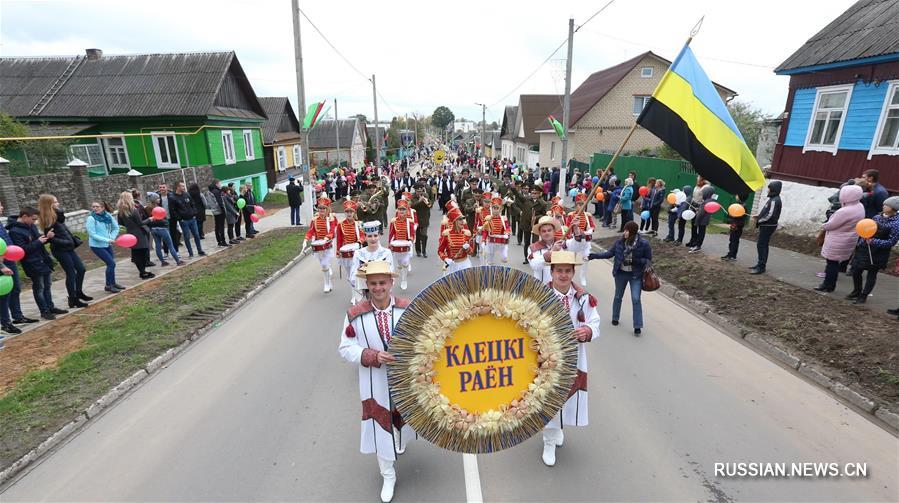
{"x": 421, "y": 205}
{"x": 495, "y": 233}
{"x": 400, "y": 237}
{"x": 349, "y": 239}
{"x": 581, "y": 306}
{"x": 455, "y": 243}
{"x": 482, "y": 213}
{"x": 364, "y": 342}
{"x": 580, "y": 233}
{"x": 321, "y": 237}
{"x": 547, "y": 228}
{"x": 558, "y": 212}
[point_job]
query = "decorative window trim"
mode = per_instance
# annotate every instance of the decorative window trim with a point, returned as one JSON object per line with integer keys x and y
{"x": 109, "y": 157}
{"x": 282, "y": 156}
{"x": 249, "y": 146}
{"x": 644, "y": 74}
{"x": 296, "y": 156}
{"x": 811, "y": 124}
{"x": 881, "y": 123}
{"x": 167, "y": 165}
{"x": 228, "y": 146}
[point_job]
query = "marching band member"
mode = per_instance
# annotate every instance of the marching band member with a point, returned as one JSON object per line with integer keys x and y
{"x": 400, "y": 237}
{"x": 349, "y": 239}
{"x": 455, "y": 243}
{"x": 421, "y": 205}
{"x": 580, "y": 233}
{"x": 581, "y": 306}
{"x": 495, "y": 233}
{"x": 407, "y": 196}
{"x": 538, "y": 257}
{"x": 481, "y": 214}
{"x": 558, "y": 212}
{"x": 372, "y": 252}
{"x": 365, "y": 341}
{"x": 321, "y": 232}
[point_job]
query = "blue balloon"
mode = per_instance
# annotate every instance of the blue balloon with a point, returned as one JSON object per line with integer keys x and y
{"x": 572, "y": 192}
{"x": 595, "y": 179}
{"x": 645, "y": 215}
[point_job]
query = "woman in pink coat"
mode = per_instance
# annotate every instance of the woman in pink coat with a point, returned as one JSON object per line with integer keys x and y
{"x": 840, "y": 237}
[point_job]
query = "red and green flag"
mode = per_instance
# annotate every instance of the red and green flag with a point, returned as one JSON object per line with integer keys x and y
{"x": 313, "y": 114}
{"x": 558, "y": 127}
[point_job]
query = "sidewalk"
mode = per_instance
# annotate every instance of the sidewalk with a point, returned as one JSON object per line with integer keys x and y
{"x": 127, "y": 275}
{"x": 788, "y": 266}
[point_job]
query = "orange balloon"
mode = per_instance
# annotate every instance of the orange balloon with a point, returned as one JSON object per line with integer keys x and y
{"x": 866, "y": 228}
{"x": 600, "y": 196}
{"x": 736, "y": 210}
{"x": 672, "y": 199}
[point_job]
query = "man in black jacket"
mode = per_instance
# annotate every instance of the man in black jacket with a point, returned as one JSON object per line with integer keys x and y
{"x": 37, "y": 262}
{"x": 248, "y": 210}
{"x": 295, "y": 200}
{"x": 181, "y": 207}
{"x": 218, "y": 212}
{"x": 165, "y": 200}
{"x": 766, "y": 221}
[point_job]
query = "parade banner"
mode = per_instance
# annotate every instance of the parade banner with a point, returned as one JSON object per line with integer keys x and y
{"x": 485, "y": 358}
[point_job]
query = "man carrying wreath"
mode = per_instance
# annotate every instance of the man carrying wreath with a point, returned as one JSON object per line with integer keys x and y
{"x": 365, "y": 340}
{"x": 581, "y": 306}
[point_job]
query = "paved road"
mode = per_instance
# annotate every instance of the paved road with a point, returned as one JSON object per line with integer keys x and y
{"x": 264, "y": 409}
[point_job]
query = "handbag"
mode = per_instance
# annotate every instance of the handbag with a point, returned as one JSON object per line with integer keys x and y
{"x": 77, "y": 241}
{"x": 651, "y": 281}
{"x": 819, "y": 239}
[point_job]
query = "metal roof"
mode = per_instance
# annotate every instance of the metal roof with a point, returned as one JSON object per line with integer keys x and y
{"x": 141, "y": 85}
{"x": 282, "y": 123}
{"x": 868, "y": 29}
{"x": 509, "y": 117}
{"x": 322, "y": 136}
{"x": 532, "y": 110}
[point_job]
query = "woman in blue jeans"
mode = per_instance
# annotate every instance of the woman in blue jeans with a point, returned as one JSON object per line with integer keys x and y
{"x": 102, "y": 230}
{"x": 161, "y": 235}
{"x": 632, "y": 253}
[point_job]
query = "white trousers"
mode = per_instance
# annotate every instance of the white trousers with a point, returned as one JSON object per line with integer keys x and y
{"x": 324, "y": 258}
{"x": 497, "y": 253}
{"x": 346, "y": 265}
{"x": 387, "y": 468}
{"x": 583, "y": 249}
{"x": 458, "y": 266}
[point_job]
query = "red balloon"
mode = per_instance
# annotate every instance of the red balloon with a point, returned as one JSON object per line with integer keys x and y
{"x": 259, "y": 210}
{"x": 643, "y": 191}
{"x": 14, "y": 253}
{"x": 158, "y": 213}
{"x": 254, "y": 217}
{"x": 126, "y": 240}
{"x": 712, "y": 207}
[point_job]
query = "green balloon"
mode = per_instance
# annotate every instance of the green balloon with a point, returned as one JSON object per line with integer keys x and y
{"x": 6, "y": 284}
{"x": 241, "y": 203}
{"x": 2, "y": 247}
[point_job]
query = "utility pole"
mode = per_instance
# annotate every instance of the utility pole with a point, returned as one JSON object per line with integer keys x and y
{"x": 337, "y": 132}
{"x": 483, "y": 128}
{"x": 301, "y": 104}
{"x": 374, "y": 95}
{"x": 566, "y": 114}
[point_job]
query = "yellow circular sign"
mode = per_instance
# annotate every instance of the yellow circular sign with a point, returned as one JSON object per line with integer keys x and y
{"x": 486, "y": 361}
{"x": 439, "y": 157}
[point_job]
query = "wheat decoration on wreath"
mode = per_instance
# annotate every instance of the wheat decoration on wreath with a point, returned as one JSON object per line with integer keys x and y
{"x": 475, "y": 335}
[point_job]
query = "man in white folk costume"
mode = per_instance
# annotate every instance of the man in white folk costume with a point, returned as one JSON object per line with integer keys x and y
{"x": 581, "y": 307}
{"x": 372, "y": 252}
{"x": 349, "y": 239}
{"x": 580, "y": 233}
{"x": 321, "y": 237}
{"x": 547, "y": 229}
{"x": 495, "y": 233}
{"x": 401, "y": 238}
{"x": 365, "y": 340}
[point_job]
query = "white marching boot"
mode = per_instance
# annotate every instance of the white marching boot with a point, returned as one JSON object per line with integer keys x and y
{"x": 583, "y": 273}
{"x": 389, "y": 473}
{"x": 327, "y": 275}
{"x": 404, "y": 271}
{"x": 549, "y": 453}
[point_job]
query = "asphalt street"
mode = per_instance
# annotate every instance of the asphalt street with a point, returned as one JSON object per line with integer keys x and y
{"x": 263, "y": 408}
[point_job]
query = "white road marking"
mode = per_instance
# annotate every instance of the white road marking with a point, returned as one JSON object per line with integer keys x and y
{"x": 472, "y": 478}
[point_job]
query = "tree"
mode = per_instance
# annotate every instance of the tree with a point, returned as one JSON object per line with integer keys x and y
{"x": 442, "y": 117}
{"x": 494, "y": 125}
{"x": 749, "y": 120}
{"x": 30, "y": 157}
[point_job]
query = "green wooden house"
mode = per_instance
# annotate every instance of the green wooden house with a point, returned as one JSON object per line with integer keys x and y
{"x": 147, "y": 112}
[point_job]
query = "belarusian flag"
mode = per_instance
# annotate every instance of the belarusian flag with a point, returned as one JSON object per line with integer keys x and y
{"x": 313, "y": 113}
{"x": 558, "y": 127}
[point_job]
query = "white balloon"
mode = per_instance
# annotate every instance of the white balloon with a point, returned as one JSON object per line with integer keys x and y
{"x": 688, "y": 215}
{"x": 680, "y": 197}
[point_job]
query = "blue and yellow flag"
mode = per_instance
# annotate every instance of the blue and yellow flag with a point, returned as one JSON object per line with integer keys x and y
{"x": 687, "y": 113}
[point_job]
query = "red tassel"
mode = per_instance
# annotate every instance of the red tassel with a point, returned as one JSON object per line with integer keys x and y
{"x": 350, "y": 331}
{"x": 592, "y": 300}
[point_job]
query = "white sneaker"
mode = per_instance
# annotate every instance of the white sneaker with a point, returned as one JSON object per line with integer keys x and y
{"x": 549, "y": 454}
{"x": 387, "y": 489}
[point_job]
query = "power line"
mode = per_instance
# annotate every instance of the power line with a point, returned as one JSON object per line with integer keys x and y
{"x": 347, "y": 61}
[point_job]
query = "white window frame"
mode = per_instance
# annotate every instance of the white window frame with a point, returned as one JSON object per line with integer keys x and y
{"x": 228, "y": 146}
{"x": 165, "y": 165}
{"x": 881, "y": 123}
{"x": 109, "y": 156}
{"x": 296, "y": 155}
{"x": 645, "y": 98}
{"x": 643, "y": 74}
{"x": 282, "y": 156}
{"x": 249, "y": 148}
{"x": 552, "y": 151}
{"x": 811, "y": 124}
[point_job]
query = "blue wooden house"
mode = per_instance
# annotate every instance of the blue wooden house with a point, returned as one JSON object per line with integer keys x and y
{"x": 842, "y": 111}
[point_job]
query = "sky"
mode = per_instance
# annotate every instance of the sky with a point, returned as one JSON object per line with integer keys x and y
{"x": 426, "y": 54}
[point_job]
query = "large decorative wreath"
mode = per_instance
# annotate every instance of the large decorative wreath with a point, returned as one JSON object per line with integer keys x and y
{"x": 513, "y": 337}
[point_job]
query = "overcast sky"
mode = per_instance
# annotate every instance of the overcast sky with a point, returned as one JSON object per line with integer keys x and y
{"x": 427, "y": 54}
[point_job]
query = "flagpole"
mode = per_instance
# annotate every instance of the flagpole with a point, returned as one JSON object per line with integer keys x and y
{"x": 630, "y": 133}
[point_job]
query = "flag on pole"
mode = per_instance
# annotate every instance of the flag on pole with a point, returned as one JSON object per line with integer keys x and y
{"x": 686, "y": 112}
{"x": 312, "y": 114}
{"x": 558, "y": 127}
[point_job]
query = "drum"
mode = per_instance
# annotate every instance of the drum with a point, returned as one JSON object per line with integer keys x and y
{"x": 347, "y": 250}
{"x": 320, "y": 244}
{"x": 400, "y": 246}
{"x": 504, "y": 239}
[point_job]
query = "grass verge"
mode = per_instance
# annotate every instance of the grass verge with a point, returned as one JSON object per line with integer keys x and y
{"x": 120, "y": 336}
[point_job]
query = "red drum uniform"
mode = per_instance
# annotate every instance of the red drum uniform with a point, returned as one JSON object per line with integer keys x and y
{"x": 401, "y": 238}
{"x": 580, "y": 234}
{"x": 349, "y": 239}
{"x": 321, "y": 237}
{"x": 495, "y": 233}
{"x": 455, "y": 245}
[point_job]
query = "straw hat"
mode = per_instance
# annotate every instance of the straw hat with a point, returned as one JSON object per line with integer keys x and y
{"x": 565, "y": 257}
{"x": 374, "y": 268}
{"x": 546, "y": 220}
